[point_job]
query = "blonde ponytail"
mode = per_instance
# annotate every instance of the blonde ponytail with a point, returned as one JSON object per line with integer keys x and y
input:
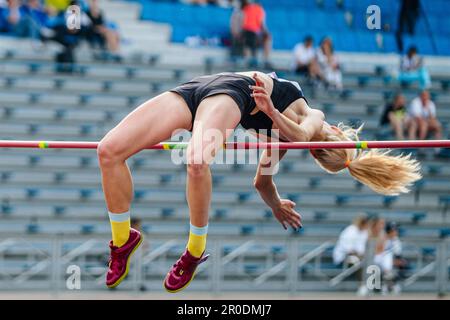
{"x": 384, "y": 173}
{"x": 380, "y": 171}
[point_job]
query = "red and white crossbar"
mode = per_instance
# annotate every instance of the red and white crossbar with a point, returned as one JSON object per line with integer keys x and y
{"x": 407, "y": 144}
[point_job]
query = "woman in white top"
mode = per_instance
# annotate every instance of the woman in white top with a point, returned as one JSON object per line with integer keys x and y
{"x": 351, "y": 244}
{"x": 412, "y": 69}
{"x": 329, "y": 64}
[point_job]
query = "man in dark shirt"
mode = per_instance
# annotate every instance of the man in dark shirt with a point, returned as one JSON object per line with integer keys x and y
{"x": 407, "y": 18}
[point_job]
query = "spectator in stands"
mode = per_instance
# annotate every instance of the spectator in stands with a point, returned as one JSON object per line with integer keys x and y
{"x": 56, "y": 6}
{"x": 422, "y": 118}
{"x": 14, "y": 19}
{"x": 236, "y": 22}
{"x": 36, "y": 18}
{"x": 375, "y": 234}
{"x": 99, "y": 31}
{"x": 395, "y": 114}
{"x": 390, "y": 260}
{"x": 408, "y": 15}
{"x": 412, "y": 69}
{"x": 351, "y": 246}
{"x": 255, "y": 32}
{"x": 3, "y": 5}
{"x": 329, "y": 64}
{"x": 69, "y": 39}
{"x": 376, "y": 228}
{"x": 306, "y": 59}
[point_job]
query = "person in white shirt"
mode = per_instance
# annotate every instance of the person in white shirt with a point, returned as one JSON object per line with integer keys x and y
{"x": 351, "y": 245}
{"x": 422, "y": 118}
{"x": 329, "y": 64}
{"x": 305, "y": 59}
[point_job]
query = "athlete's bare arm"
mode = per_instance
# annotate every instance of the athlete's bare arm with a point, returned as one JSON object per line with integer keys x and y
{"x": 297, "y": 123}
{"x": 282, "y": 209}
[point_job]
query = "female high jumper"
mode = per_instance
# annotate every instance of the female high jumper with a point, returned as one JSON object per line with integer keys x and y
{"x": 256, "y": 101}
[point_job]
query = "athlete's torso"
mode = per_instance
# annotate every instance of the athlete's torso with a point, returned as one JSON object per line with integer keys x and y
{"x": 283, "y": 95}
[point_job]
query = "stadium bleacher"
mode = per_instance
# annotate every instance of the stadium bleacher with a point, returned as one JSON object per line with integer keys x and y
{"x": 290, "y": 21}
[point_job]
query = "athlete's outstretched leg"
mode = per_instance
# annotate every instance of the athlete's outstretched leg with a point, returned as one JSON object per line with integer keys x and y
{"x": 215, "y": 119}
{"x": 151, "y": 123}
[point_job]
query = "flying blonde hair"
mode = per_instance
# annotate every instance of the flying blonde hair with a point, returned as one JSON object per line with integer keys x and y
{"x": 380, "y": 171}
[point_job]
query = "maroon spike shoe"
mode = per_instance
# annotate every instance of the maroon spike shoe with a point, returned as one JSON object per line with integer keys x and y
{"x": 119, "y": 259}
{"x": 183, "y": 272}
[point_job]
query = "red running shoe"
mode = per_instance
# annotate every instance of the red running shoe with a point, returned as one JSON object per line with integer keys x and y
{"x": 119, "y": 259}
{"x": 182, "y": 272}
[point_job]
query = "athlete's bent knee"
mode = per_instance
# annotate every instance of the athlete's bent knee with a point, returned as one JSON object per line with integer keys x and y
{"x": 197, "y": 170}
{"x": 109, "y": 153}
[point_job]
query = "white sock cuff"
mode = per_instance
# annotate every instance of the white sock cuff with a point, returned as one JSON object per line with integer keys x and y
{"x": 200, "y": 231}
{"x": 119, "y": 217}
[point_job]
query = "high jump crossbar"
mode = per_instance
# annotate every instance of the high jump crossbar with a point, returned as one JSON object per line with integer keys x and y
{"x": 407, "y": 144}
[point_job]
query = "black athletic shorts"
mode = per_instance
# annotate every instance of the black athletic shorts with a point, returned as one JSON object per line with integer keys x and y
{"x": 234, "y": 85}
{"x": 251, "y": 39}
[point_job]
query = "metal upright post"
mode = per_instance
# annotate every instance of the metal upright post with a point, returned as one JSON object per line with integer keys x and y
{"x": 441, "y": 268}
{"x": 368, "y": 260}
{"x": 216, "y": 268}
{"x": 292, "y": 275}
{"x": 56, "y": 264}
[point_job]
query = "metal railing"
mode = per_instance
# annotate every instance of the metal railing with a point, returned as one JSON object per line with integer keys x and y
{"x": 290, "y": 264}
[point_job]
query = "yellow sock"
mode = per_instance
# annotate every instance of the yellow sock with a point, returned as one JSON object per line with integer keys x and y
{"x": 120, "y": 227}
{"x": 197, "y": 240}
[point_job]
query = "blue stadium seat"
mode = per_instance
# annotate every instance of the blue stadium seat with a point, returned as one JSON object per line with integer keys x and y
{"x": 367, "y": 41}
{"x": 167, "y": 213}
{"x": 443, "y": 45}
{"x": 278, "y": 20}
{"x": 247, "y": 230}
{"x": 290, "y": 20}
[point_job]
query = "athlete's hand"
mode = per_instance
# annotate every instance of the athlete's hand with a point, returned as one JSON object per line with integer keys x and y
{"x": 261, "y": 96}
{"x": 286, "y": 214}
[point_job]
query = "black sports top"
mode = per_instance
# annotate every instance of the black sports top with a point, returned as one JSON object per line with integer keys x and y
{"x": 283, "y": 94}
{"x": 237, "y": 87}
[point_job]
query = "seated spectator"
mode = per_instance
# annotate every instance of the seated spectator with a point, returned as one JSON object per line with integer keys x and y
{"x": 27, "y": 20}
{"x": 412, "y": 70}
{"x": 12, "y": 16}
{"x": 56, "y": 6}
{"x": 37, "y": 19}
{"x": 376, "y": 230}
{"x": 391, "y": 261}
{"x": 395, "y": 114}
{"x": 306, "y": 59}
{"x": 422, "y": 118}
{"x": 351, "y": 244}
{"x": 255, "y": 33}
{"x": 375, "y": 234}
{"x": 99, "y": 31}
{"x": 329, "y": 64}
